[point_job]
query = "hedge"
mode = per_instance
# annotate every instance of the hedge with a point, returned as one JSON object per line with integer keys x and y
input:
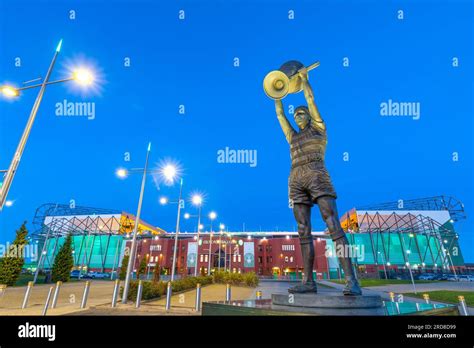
{"x": 155, "y": 290}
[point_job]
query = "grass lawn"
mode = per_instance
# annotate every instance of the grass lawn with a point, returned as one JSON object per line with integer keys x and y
{"x": 380, "y": 282}
{"x": 25, "y": 278}
{"x": 447, "y": 296}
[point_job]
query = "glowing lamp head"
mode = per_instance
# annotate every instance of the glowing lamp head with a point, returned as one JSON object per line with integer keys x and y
{"x": 187, "y": 216}
{"x": 83, "y": 77}
{"x": 121, "y": 173}
{"x": 201, "y": 226}
{"x": 163, "y": 200}
{"x": 8, "y": 203}
{"x": 169, "y": 172}
{"x": 221, "y": 226}
{"x": 212, "y": 215}
{"x": 197, "y": 200}
{"x": 10, "y": 92}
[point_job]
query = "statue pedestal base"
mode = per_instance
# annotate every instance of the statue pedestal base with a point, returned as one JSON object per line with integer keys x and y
{"x": 329, "y": 303}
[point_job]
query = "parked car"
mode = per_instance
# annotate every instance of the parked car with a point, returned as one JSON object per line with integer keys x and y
{"x": 441, "y": 276}
{"x": 75, "y": 273}
{"x": 97, "y": 275}
{"x": 452, "y": 278}
{"x": 427, "y": 276}
{"x": 466, "y": 278}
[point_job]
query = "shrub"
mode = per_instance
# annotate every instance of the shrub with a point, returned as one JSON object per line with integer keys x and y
{"x": 218, "y": 277}
{"x": 250, "y": 279}
{"x": 123, "y": 267}
{"x": 155, "y": 290}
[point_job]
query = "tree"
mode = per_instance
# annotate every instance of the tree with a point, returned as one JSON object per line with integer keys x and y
{"x": 12, "y": 262}
{"x": 123, "y": 268}
{"x": 142, "y": 267}
{"x": 63, "y": 262}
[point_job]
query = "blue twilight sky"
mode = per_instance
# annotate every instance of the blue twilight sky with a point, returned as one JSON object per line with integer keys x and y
{"x": 190, "y": 62}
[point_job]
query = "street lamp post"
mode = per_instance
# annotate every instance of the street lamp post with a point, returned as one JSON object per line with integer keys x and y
{"x": 131, "y": 259}
{"x": 14, "y": 92}
{"x": 177, "y": 230}
{"x": 221, "y": 227}
{"x": 197, "y": 201}
{"x": 220, "y": 246}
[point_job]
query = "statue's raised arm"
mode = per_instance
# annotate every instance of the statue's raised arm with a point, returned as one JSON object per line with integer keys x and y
{"x": 316, "y": 120}
{"x": 284, "y": 123}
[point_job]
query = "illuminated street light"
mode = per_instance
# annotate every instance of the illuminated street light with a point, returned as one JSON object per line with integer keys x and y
{"x": 8, "y": 203}
{"x": 131, "y": 260}
{"x": 163, "y": 200}
{"x": 212, "y": 215}
{"x": 121, "y": 173}
{"x": 83, "y": 77}
{"x": 197, "y": 200}
{"x": 187, "y": 216}
{"x": 10, "y": 92}
{"x": 201, "y": 226}
{"x": 15, "y": 92}
{"x": 169, "y": 172}
{"x": 221, "y": 227}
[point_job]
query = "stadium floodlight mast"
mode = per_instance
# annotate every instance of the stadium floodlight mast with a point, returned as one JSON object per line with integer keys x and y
{"x": 81, "y": 76}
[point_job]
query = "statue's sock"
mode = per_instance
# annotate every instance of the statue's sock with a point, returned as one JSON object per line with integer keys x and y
{"x": 307, "y": 250}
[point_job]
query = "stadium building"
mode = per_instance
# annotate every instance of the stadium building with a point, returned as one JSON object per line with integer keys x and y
{"x": 386, "y": 240}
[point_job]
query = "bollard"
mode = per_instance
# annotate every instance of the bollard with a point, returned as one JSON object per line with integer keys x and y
{"x": 168, "y": 296}
{"x": 115, "y": 293}
{"x": 397, "y": 307}
{"x": 85, "y": 294}
{"x": 3, "y": 288}
{"x": 259, "y": 295}
{"x": 427, "y": 298}
{"x": 463, "y": 304}
{"x": 228, "y": 293}
{"x": 417, "y": 305}
{"x": 27, "y": 295}
{"x": 197, "y": 307}
{"x": 56, "y": 294}
{"x": 139, "y": 294}
{"x": 392, "y": 296}
{"x": 46, "y": 304}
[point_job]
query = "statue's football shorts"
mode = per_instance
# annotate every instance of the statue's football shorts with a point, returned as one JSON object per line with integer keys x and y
{"x": 309, "y": 182}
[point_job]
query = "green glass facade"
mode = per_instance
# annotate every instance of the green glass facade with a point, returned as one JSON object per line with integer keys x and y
{"x": 94, "y": 251}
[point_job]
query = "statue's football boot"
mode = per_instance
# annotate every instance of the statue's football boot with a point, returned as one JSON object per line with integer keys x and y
{"x": 352, "y": 287}
{"x": 303, "y": 288}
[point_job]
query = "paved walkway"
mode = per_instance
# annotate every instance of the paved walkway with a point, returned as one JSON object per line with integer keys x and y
{"x": 181, "y": 304}
{"x": 69, "y": 299}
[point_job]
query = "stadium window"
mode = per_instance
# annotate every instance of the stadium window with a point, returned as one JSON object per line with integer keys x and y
{"x": 201, "y": 257}
{"x": 240, "y": 260}
{"x": 291, "y": 258}
{"x": 260, "y": 259}
{"x": 206, "y": 259}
